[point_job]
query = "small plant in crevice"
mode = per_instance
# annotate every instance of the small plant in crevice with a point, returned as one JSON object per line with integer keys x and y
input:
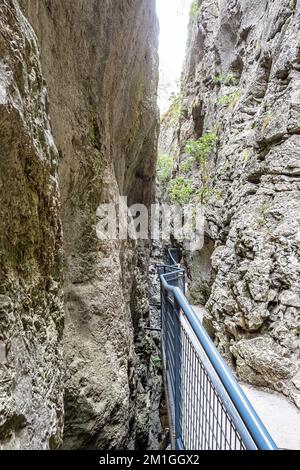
{"x": 207, "y": 193}
{"x": 181, "y": 190}
{"x": 156, "y": 362}
{"x": 193, "y": 13}
{"x": 215, "y": 11}
{"x": 212, "y": 188}
{"x": 203, "y": 194}
{"x": 201, "y": 149}
{"x": 261, "y": 213}
{"x": 266, "y": 122}
{"x": 293, "y": 5}
{"x": 186, "y": 166}
{"x": 245, "y": 155}
{"x": 218, "y": 194}
{"x": 226, "y": 79}
{"x": 224, "y": 100}
{"x": 230, "y": 100}
{"x": 164, "y": 170}
{"x": 174, "y": 111}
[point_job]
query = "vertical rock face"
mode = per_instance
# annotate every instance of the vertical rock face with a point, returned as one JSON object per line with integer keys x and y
{"x": 31, "y": 310}
{"x": 99, "y": 59}
{"x": 241, "y": 82}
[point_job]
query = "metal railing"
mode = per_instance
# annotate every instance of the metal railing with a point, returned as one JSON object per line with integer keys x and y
{"x": 208, "y": 410}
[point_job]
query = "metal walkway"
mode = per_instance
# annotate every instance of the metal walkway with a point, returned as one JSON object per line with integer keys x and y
{"x": 208, "y": 410}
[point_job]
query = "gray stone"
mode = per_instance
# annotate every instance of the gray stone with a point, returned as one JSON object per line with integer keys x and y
{"x": 265, "y": 357}
{"x": 242, "y": 72}
{"x": 290, "y": 298}
{"x": 101, "y": 66}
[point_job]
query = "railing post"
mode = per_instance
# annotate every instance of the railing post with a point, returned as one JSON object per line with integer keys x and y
{"x": 178, "y": 354}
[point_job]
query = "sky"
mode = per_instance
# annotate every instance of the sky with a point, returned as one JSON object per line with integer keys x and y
{"x": 173, "y": 17}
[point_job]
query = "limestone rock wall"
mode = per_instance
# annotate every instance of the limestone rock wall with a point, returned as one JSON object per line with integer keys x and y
{"x": 99, "y": 60}
{"x": 31, "y": 307}
{"x": 241, "y": 82}
{"x": 100, "y": 63}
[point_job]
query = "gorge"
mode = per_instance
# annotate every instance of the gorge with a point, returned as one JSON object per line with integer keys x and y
{"x": 79, "y": 127}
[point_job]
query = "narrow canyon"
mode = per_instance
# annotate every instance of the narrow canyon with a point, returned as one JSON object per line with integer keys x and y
{"x": 80, "y": 127}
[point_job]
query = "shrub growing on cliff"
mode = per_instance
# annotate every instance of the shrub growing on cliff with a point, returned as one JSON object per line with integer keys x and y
{"x": 181, "y": 190}
{"x": 202, "y": 148}
{"x": 174, "y": 110}
{"x": 245, "y": 155}
{"x": 262, "y": 211}
{"x": 164, "y": 170}
{"x": 156, "y": 362}
{"x": 226, "y": 79}
{"x": 186, "y": 166}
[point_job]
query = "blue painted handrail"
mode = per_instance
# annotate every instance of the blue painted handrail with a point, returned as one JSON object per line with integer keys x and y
{"x": 253, "y": 423}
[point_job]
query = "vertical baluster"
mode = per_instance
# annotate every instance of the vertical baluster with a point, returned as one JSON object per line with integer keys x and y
{"x": 178, "y": 414}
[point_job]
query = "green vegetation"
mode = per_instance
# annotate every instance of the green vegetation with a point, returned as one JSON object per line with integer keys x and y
{"x": 181, "y": 190}
{"x": 193, "y": 10}
{"x": 218, "y": 194}
{"x": 226, "y": 79}
{"x": 236, "y": 96}
{"x": 156, "y": 362}
{"x": 202, "y": 148}
{"x": 224, "y": 100}
{"x": 193, "y": 13}
{"x": 261, "y": 213}
{"x": 230, "y": 100}
{"x": 245, "y": 155}
{"x": 266, "y": 122}
{"x": 174, "y": 112}
{"x": 207, "y": 192}
{"x": 204, "y": 194}
{"x": 186, "y": 166}
{"x": 164, "y": 170}
{"x": 293, "y": 4}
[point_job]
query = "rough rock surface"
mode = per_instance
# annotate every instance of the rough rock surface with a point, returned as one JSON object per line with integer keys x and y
{"x": 241, "y": 81}
{"x": 31, "y": 307}
{"x": 99, "y": 59}
{"x": 100, "y": 63}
